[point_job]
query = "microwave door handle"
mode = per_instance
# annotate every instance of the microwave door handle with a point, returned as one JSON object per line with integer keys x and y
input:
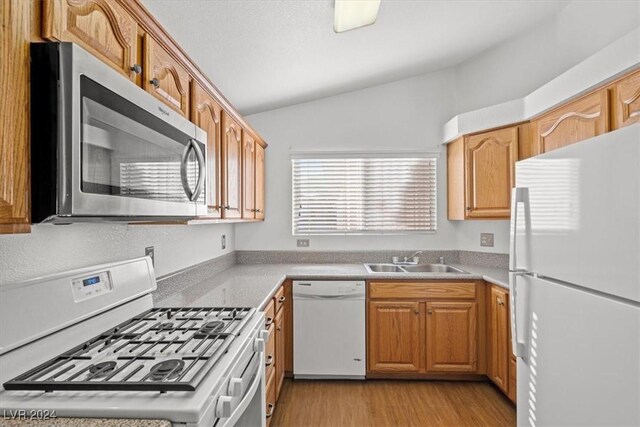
{"x": 201, "y": 170}
{"x": 183, "y": 171}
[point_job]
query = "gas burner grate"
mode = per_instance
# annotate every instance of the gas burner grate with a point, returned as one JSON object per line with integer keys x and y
{"x": 162, "y": 349}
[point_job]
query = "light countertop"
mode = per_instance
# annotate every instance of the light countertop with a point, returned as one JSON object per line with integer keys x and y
{"x": 252, "y": 285}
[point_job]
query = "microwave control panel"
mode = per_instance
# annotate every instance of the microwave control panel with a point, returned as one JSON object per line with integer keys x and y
{"x": 91, "y": 286}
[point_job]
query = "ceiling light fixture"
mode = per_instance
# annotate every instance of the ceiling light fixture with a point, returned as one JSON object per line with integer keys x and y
{"x": 352, "y": 14}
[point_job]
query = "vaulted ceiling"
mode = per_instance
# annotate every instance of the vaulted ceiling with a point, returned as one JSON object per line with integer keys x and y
{"x": 265, "y": 54}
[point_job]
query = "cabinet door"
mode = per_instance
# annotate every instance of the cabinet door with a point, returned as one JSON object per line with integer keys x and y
{"x": 102, "y": 27}
{"x": 396, "y": 336}
{"x": 498, "y": 337}
{"x": 288, "y": 330}
{"x": 452, "y": 337}
{"x": 248, "y": 176}
{"x": 513, "y": 386}
{"x": 490, "y": 160}
{"x": 626, "y": 101}
{"x": 280, "y": 350}
{"x": 207, "y": 114}
{"x": 259, "y": 189}
{"x": 271, "y": 397}
{"x": 579, "y": 120}
{"x": 231, "y": 167}
{"x": 165, "y": 78}
{"x": 15, "y": 169}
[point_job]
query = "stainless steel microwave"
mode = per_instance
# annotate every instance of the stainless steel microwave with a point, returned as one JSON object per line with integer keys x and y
{"x": 104, "y": 149}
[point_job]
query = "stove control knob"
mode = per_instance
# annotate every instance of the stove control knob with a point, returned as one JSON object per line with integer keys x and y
{"x": 258, "y": 345}
{"x": 223, "y": 407}
{"x": 264, "y": 334}
{"x": 235, "y": 387}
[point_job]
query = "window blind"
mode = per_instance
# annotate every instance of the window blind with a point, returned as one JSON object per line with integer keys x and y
{"x": 369, "y": 195}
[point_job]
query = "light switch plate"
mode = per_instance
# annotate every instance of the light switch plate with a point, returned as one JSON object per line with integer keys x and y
{"x": 486, "y": 239}
{"x": 303, "y": 243}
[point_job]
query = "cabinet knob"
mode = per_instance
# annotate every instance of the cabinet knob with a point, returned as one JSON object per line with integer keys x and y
{"x": 429, "y": 311}
{"x": 269, "y": 410}
{"x": 282, "y": 298}
{"x": 227, "y": 207}
{"x": 136, "y": 68}
{"x": 155, "y": 82}
{"x": 269, "y": 360}
{"x": 500, "y": 302}
{"x": 416, "y": 311}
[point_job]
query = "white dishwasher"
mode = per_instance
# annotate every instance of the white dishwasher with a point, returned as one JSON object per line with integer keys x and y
{"x": 329, "y": 329}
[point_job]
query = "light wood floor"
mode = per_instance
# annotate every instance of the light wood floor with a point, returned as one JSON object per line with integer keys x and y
{"x": 391, "y": 403}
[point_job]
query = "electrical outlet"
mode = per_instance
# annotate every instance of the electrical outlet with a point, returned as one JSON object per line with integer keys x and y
{"x": 224, "y": 242}
{"x": 486, "y": 239}
{"x": 303, "y": 243}
{"x": 149, "y": 251}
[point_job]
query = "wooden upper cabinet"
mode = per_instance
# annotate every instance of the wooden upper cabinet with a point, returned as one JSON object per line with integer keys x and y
{"x": 499, "y": 351}
{"x": 581, "y": 119}
{"x": 248, "y": 176}
{"x": 15, "y": 169}
{"x": 490, "y": 160}
{"x": 259, "y": 188}
{"x": 452, "y": 337}
{"x": 626, "y": 101}
{"x": 102, "y": 27}
{"x": 396, "y": 336}
{"x": 207, "y": 114}
{"x": 231, "y": 167}
{"x": 165, "y": 78}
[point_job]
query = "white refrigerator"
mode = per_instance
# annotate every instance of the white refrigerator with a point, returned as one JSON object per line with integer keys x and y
{"x": 575, "y": 283}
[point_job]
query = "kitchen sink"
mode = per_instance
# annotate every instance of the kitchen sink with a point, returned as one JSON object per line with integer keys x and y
{"x": 383, "y": 268}
{"x": 431, "y": 268}
{"x": 417, "y": 268}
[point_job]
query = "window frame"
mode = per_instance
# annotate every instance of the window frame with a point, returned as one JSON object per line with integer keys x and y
{"x": 433, "y": 155}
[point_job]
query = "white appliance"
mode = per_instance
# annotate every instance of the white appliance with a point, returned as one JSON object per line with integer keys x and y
{"x": 575, "y": 283}
{"x": 329, "y": 334}
{"x": 89, "y": 343}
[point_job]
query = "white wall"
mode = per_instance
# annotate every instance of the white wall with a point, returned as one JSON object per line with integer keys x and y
{"x": 405, "y": 115}
{"x": 521, "y": 65}
{"x": 409, "y": 115}
{"x": 54, "y": 248}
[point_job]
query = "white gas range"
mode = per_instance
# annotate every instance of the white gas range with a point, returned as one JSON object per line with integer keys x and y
{"x": 89, "y": 343}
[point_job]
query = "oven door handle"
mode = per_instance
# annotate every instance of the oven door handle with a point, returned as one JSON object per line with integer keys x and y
{"x": 256, "y": 387}
{"x": 192, "y": 195}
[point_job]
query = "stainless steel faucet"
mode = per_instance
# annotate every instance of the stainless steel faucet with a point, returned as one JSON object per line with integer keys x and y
{"x": 416, "y": 253}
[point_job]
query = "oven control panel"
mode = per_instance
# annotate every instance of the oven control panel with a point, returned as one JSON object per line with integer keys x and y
{"x": 91, "y": 286}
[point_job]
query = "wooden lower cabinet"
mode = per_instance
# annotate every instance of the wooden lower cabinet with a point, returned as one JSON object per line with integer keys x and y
{"x": 452, "y": 337}
{"x": 271, "y": 397}
{"x": 396, "y": 336}
{"x": 498, "y": 337}
{"x": 513, "y": 386}
{"x": 280, "y": 347}
{"x": 288, "y": 328}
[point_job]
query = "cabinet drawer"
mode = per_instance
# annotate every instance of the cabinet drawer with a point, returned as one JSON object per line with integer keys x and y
{"x": 270, "y": 351}
{"x": 423, "y": 290}
{"x": 271, "y": 397}
{"x": 279, "y": 299}
{"x": 269, "y": 314}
